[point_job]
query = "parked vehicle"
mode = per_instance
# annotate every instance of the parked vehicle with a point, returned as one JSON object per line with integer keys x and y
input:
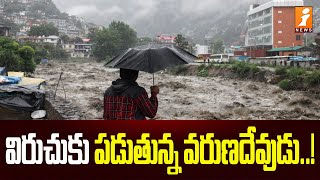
{"x": 220, "y": 58}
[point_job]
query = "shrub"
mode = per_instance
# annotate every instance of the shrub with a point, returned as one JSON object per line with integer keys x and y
{"x": 281, "y": 71}
{"x": 243, "y": 69}
{"x": 27, "y": 54}
{"x": 203, "y": 71}
{"x": 313, "y": 78}
{"x": 180, "y": 70}
{"x": 10, "y": 60}
{"x": 224, "y": 66}
{"x": 285, "y": 85}
{"x": 294, "y": 73}
{"x": 211, "y": 65}
{"x": 202, "y": 66}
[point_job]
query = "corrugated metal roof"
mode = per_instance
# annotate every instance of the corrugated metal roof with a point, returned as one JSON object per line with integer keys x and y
{"x": 296, "y": 48}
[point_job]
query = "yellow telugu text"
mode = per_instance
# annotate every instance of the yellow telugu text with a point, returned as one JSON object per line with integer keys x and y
{"x": 203, "y": 149}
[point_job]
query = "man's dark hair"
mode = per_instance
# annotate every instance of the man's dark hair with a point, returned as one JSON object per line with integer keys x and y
{"x": 128, "y": 74}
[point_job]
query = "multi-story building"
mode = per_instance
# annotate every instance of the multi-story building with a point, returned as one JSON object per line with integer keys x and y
{"x": 1, "y": 7}
{"x": 29, "y": 23}
{"x": 272, "y": 25}
{"x": 58, "y": 22}
{"x": 30, "y": 39}
{"x": 52, "y": 40}
{"x": 82, "y": 50}
{"x": 17, "y": 18}
{"x": 68, "y": 47}
{"x": 166, "y": 39}
{"x": 4, "y": 31}
{"x": 202, "y": 51}
{"x": 317, "y": 39}
{"x": 61, "y": 24}
{"x": 316, "y": 17}
{"x": 72, "y": 31}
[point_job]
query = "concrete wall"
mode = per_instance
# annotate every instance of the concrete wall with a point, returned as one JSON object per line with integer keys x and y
{"x": 52, "y": 113}
{"x": 61, "y": 109}
{"x": 305, "y": 64}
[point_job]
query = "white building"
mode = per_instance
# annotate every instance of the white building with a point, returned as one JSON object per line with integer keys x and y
{"x": 82, "y": 51}
{"x": 58, "y": 22}
{"x": 61, "y": 24}
{"x": 69, "y": 48}
{"x": 1, "y": 7}
{"x": 52, "y": 40}
{"x": 201, "y": 50}
{"x": 268, "y": 22}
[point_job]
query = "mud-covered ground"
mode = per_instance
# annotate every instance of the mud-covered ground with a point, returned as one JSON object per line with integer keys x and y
{"x": 184, "y": 97}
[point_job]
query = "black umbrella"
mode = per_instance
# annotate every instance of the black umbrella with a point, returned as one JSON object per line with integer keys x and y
{"x": 152, "y": 58}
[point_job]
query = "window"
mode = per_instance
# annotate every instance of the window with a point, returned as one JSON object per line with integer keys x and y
{"x": 268, "y": 11}
{"x": 267, "y": 20}
{"x": 267, "y": 30}
{"x": 279, "y": 32}
{"x": 279, "y": 22}
{"x": 279, "y": 42}
{"x": 279, "y": 12}
{"x": 298, "y": 37}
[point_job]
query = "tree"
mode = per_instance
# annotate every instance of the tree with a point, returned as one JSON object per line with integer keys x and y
{"x": 217, "y": 46}
{"x": 126, "y": 35}
{"x": 78, "y": 40}
{"x": 8, "y": 54}
{"x": 181, "y": 42}
{"x": 14, "y": 28}
{"x": 111, "y": 41}
{"x": 10, "y": 60}
{"x": 47, "y": 7}
{"x": 13, "y": 7}
{"x": 43, "y": 30}
{"x": 65, "y": 38}
{"x": 78, "y": 24}
{"x": 92, "y": 33}
{"x": 144, "y": 41}
{"x": 105, "y": 44}
{"x": 27, "y": 55}
{"x": 317, "y": 45}
{"x": 16, "y": 59}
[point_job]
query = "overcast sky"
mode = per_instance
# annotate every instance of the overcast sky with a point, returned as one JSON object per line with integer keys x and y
{"x": 133, "y": 11}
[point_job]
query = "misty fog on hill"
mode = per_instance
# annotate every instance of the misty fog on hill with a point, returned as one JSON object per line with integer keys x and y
{"x": 197, "y": 19}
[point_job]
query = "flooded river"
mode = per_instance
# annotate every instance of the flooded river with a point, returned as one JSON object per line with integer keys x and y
{"x": 184, "y": 98}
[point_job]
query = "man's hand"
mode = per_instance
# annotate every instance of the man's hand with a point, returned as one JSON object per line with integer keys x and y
{"x": 154, "y": 90}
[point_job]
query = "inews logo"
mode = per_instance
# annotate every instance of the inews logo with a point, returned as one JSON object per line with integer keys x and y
{"x": 304, "y": 19}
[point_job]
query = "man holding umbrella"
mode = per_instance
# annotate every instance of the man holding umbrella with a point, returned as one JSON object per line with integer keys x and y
{"x": 126, "y": 100}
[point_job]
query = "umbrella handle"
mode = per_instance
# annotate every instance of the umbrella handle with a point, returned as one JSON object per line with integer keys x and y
{"x": 153, "y": 79}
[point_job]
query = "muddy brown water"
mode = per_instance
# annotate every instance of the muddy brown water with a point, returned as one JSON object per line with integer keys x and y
{"x": 183, "y": 97}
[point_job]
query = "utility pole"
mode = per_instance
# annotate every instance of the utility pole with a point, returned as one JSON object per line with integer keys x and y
{"x": 306, "y": 43}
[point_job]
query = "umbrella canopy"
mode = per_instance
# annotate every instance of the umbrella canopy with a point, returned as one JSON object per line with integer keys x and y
{"x": 152, "y": 58}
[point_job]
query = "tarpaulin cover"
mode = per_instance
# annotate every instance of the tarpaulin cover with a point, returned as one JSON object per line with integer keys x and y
{"x": 3, "y": 71}
{"x": 44, "y": 61}
{"x": 152, "y": 58}
{"x": 23, "y": 98}
{"x": 16, "y": 74}
{"x": 9, "y": 80}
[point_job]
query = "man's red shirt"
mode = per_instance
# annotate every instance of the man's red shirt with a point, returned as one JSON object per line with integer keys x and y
{"x": 126, "y": 100}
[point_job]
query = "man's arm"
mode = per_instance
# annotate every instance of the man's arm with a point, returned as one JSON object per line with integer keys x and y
{"x": 148, "y": 107}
